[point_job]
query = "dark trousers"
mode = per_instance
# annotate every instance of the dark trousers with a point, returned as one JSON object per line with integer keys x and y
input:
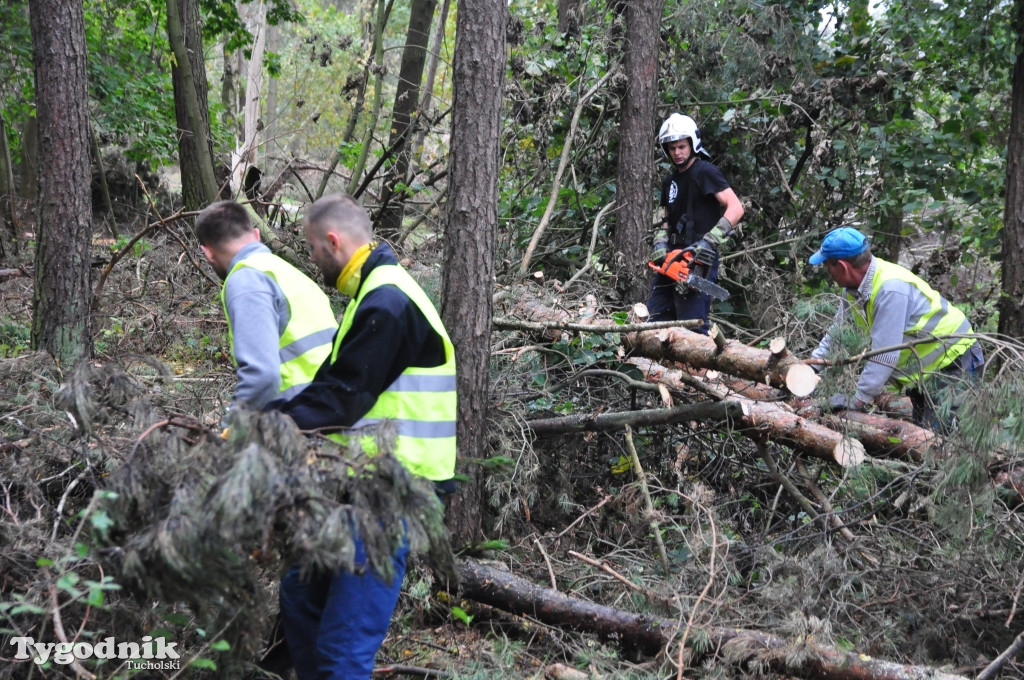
{"x": 335, "y": 623}
{"x": 937, "y": 400}
{"x": 665, "y": 303}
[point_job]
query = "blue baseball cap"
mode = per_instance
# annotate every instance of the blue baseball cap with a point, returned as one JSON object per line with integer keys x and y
{"x": 840, "y": 243}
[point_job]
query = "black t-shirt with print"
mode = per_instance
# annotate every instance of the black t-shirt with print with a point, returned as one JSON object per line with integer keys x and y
{"x": 704, "y": 180}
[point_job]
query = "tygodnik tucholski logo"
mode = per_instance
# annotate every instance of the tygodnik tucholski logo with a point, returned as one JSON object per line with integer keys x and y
{"x": 152, "y": 654}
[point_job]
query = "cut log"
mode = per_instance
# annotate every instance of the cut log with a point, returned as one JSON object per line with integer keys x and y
{"x": 646, "y": 634}
{"x": 884, "y": 436}
{"x": 616, "y": 421}
{"x": 700, "y": 351}
{"x": 770, "y": 420}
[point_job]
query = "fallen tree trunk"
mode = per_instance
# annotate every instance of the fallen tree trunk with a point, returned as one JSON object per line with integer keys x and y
{"x": 777, "y": 368}
{"x": 616, "y": 421}
{"x": 884, "y": 436}
{"x": 770, "y": 420}
{"x": 646, "y": 634}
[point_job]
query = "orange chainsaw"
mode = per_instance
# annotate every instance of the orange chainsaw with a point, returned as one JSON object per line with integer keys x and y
{"x": 680, "y": 266}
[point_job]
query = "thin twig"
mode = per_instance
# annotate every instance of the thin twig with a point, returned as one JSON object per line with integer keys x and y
{"x": 547, "y": 561}
{"x": 1016, "y": 598}
{"x": 58, "y": 628}
{"x": 605, "y": 567}
{"x": 584, "y": 516}
{"x": 651, "y": 515}
{"x": 707, "y": 586}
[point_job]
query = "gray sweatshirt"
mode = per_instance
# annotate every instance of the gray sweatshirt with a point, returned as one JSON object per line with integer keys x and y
{"x": 258, "y": 313}
{"x": 897, "y": 307}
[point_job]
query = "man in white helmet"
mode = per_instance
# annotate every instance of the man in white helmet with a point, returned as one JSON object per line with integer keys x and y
{"x": 700, "y": 211}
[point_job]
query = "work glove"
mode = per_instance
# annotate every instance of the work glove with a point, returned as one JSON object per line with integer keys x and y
{"x": 660, "y": 249}
{"x": 704, "y": 252}
{"x": 842, "y": 402}
{"x": 720, "y": 233}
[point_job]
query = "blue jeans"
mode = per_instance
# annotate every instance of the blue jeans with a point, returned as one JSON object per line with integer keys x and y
{"x": 335, "y": 623}
{"x": 665, "y": 303}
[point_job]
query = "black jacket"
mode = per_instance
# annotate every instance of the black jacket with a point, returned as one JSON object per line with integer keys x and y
{"x": 388, "y": 335}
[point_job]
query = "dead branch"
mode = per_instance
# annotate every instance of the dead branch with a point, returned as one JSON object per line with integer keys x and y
{"x": 615, "y": 421}
{"x": 993, "y": 668}
{"x": 647, "y": 635}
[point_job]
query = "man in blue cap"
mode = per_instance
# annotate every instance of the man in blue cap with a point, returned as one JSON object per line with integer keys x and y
{"x": 927, "y": 335}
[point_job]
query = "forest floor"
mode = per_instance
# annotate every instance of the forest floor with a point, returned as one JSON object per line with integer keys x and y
{"x": 931, "y": 577}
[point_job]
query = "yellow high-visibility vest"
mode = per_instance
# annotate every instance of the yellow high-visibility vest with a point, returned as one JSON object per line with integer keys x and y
{"x": 941, "y": 321}
{"x": 306, "y": 340}
{"x": 421, "y": 402}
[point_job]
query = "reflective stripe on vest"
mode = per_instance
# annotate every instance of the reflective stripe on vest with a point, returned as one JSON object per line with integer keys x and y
{"x": 421, "y": 403}
{"x": 940, "y": 321}
{"x": 306, "y": 340}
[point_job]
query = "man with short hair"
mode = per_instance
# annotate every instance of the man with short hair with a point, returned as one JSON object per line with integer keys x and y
{"x": 280, "y": 323}
{"x": 897, "y": 308}
{"x": 392, "y": 360}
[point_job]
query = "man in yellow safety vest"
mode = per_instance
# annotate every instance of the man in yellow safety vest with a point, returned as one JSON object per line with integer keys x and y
{"x": 280, "y": 324}
{"x": 932, "y": 339}
{"x": 391, "y": 360}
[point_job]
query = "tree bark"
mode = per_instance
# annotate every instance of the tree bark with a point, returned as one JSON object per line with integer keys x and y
{"x": 61, "y": 322}
{"x": 472, "y": 217}
{"x": 195, "y": 147}
{"x": 407, "y": 98}
{"x": 635, "y": 173}
{"x": 1011, "y": 302}
{"x": 646, "y": 634}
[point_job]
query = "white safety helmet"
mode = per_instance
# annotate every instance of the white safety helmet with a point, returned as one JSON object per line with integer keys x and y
{"x": 676, "y": 127}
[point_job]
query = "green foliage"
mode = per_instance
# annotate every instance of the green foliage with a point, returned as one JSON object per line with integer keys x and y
{"x": 221, "y": 21}
{"x": 129, "y": 80}
{"x": 14, "y": 337}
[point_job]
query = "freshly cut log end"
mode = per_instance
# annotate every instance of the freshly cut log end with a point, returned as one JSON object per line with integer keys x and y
{"x": 777, "y": 345}
{"x": 801, "y": 380}
{"x": 849, "y": 452}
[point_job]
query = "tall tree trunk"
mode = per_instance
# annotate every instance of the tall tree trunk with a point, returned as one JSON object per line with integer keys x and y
{"x": 407, "y": 96}
{"x": 437, "y": 43}
{"x": 8, "y": 225}
{"x": 635, "y": 173}
{"x": 472, "y": 215}
{"x": 228, "y": 89}
{"x": 270, "y": 114}
{"x": 246, "y": 147}
{"x": 61, "y": 322}
{"x": 383, "y": 11}
{"x": 1011, "y": 304}
{"x": 195, "y": 148}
